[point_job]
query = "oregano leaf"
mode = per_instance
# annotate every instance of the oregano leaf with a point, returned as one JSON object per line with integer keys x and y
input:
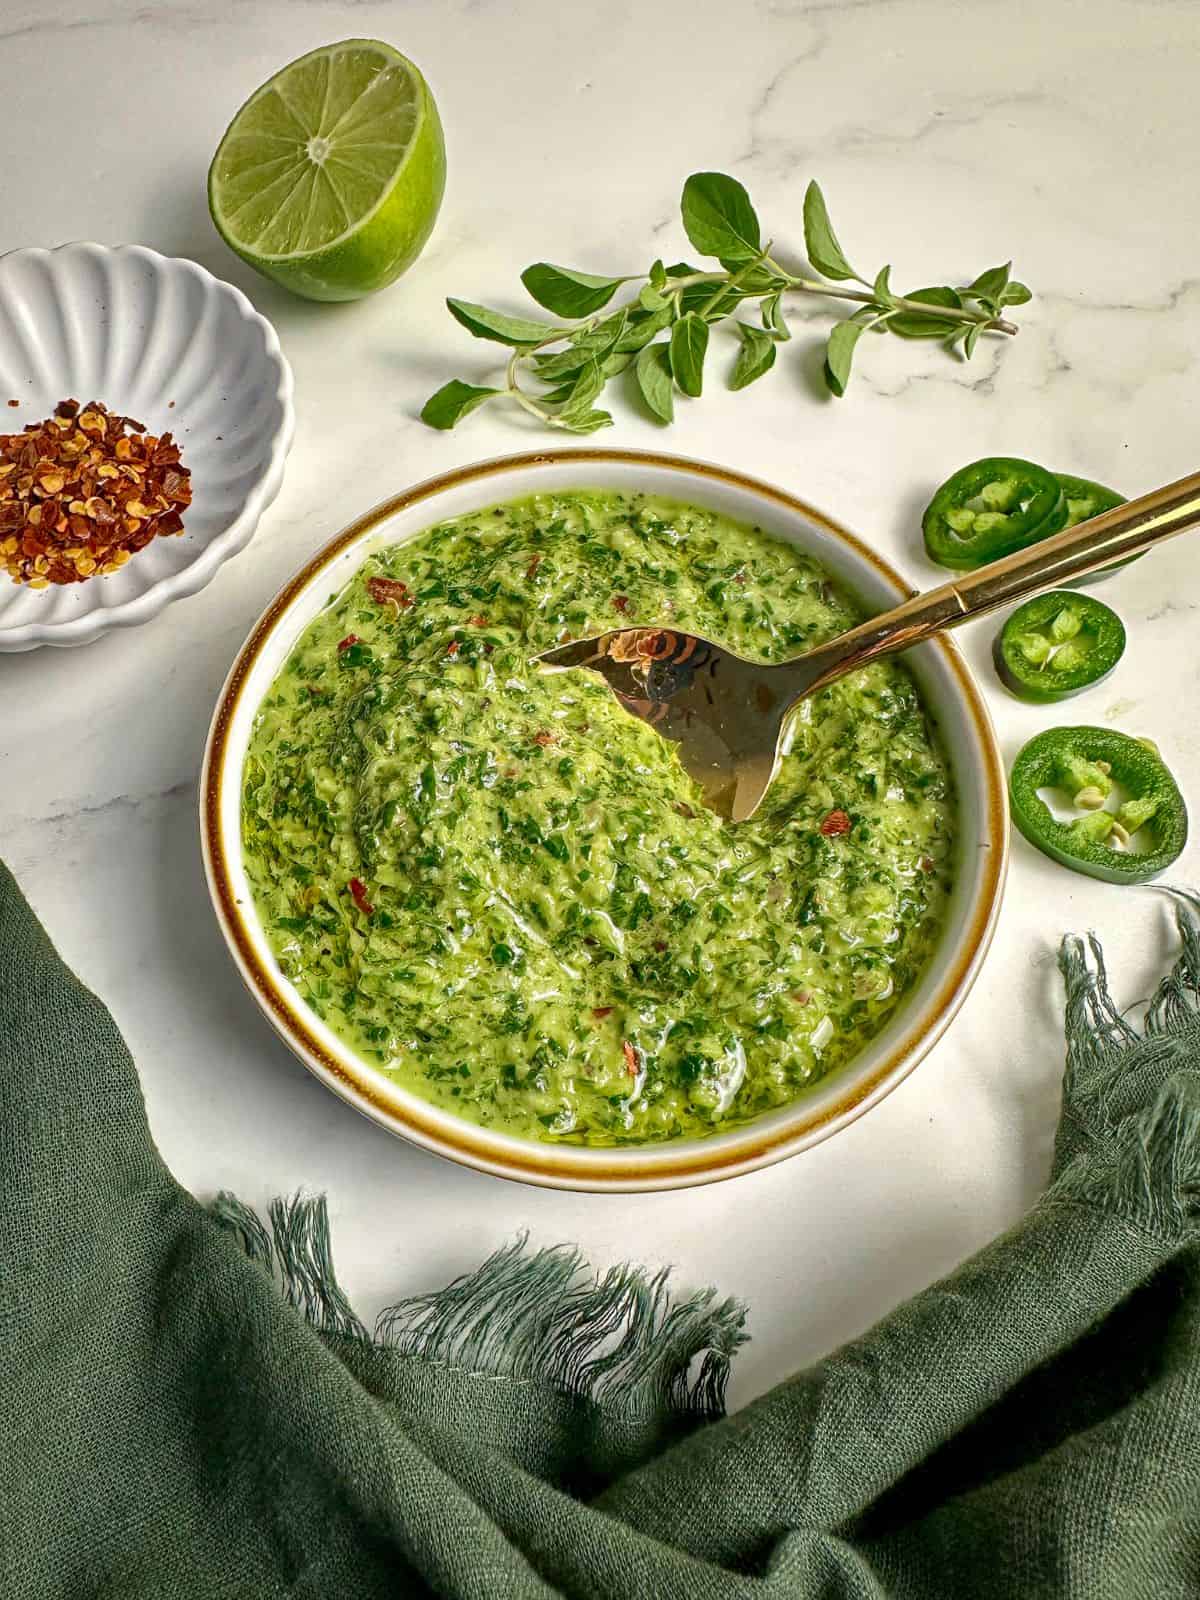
{"x": 839, "y": 354}
{"x": 603, "y": 336}
{"x": 453, "y": 401}
{"x": 587, "y": 421}
{"x": 772, "y": 317}
{"x": 1016, "y": 294}
{"x": 972, "y": 339}
{"x": 913, "y": 325}
{"x": 559, "y": 393}
{"x": 485, "y": 323}
{"x": 718, "y": 217}
{"x": 882, "y": 289}
{"x": 584, "y": 390}
{"x": 820, "y": 241}
{"x": 643, "y": 326}
{"x": 991, "y": 284}
{"x": 656, "y": 381}
{"x": 756, "y": 356}
{"x": 566, "y": 292}
{"x": 562, "y": 364}
{"x": 689, "y": 342}
{"x": 753, "y": 277}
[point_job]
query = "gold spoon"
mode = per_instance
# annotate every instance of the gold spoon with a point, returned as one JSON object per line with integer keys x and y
{"x": 732, "y": 717}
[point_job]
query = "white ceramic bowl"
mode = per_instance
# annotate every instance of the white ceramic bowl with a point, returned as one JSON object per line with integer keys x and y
{"x": 161, "y": 340}
{"x": 950, "y": 694}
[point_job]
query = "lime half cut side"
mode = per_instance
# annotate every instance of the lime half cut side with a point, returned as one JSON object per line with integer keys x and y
{"x": 330, "y": 177}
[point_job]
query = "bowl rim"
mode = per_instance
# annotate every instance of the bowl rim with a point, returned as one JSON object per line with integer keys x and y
{"x": 638, "y": 1168}
{"x": 101, "y": 618}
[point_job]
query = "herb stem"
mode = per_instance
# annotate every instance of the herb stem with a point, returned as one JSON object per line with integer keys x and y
{"x": 833, "y": 291}
{"x": 514, "y": 386}
{"x": 732, "y": 280}
{"x": 677, "y": 284}
{"x": 918, "y": 307}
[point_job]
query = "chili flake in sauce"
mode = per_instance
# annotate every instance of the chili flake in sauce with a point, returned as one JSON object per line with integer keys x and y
{"x": 82, "y": 491}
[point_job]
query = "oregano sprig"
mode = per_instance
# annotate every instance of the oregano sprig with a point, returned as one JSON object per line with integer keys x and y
{"x": 661, "y": 330}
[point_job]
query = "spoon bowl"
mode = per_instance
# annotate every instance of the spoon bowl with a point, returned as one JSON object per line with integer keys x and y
{"x": 726, "y": 713}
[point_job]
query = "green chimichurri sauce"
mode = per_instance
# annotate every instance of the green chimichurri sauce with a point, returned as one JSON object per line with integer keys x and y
{"x": 504, "y": 891}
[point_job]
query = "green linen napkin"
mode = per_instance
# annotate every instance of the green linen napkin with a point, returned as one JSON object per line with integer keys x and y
{"x": 172, "y": 1424}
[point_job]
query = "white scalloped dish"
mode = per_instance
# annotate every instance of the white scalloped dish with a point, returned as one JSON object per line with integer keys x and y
{"x": 159, "y": 339}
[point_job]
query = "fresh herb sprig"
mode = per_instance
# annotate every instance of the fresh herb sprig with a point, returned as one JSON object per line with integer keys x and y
{"x": 661, "y": 330}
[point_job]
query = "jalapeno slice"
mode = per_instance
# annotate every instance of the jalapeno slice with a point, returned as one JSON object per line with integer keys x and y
{"x": 1057, "y": 644}
{"x": 1129, "y": 844}
{"x": 991, "y": 508}
{"x": 1086, "y": 500}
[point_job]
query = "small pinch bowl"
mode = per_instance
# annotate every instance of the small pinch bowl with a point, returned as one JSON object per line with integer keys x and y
{"x": 952, "y": 700}
{"x": 159, "y": 339}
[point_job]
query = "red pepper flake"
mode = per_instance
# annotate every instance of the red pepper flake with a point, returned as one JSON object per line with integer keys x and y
{"x": 452, "y": 648}
{"x": 389, "y": 592}
{"x": 359, "y": 890}
{"x": 600, "y": 1012}
{"x": 620, "y": 602}
{"x": 801, "y": 997}
{"x": 478, "y": 620}
{"x": 631, "y": 1060}
{"x": 531, "y": 569}
{"x": 739, "y": 577}
{"x": 545, "y": 738}
{"x": 927, "y": 864}
{"x": 834, "y": 823}
{"x": 660, "y": 945}
{"x": 684, "y": 809}
{"x": 344, "y": 644}
{"x": 14, "y": 402}
{"x": 84, "y": 490}
{"x": 565, "y": 636}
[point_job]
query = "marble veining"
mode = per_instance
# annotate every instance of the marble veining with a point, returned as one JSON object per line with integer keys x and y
{"x": 947, "y": 138}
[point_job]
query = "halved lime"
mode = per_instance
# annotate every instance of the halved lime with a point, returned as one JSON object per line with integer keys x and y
{"x": 330, "y": 177}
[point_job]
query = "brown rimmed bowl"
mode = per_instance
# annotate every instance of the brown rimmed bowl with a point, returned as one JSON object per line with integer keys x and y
{"x": 952, "y": 700}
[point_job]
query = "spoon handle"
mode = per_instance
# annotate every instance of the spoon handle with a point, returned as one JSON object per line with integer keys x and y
{"x": 1115, "y": 535}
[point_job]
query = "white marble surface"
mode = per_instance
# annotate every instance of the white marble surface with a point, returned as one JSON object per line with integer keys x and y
{"x": 947, "y": 137}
